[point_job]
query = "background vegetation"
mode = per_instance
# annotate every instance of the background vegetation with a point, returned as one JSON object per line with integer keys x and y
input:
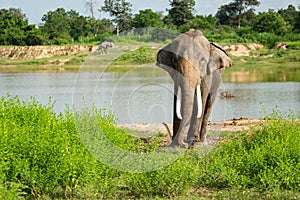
{"x": 235, "y": 21}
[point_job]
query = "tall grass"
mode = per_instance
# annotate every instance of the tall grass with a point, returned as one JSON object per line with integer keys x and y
{"x": 43, "y": 156}
{"x": 268, "y": 158}
{"x": 142, "y": 55}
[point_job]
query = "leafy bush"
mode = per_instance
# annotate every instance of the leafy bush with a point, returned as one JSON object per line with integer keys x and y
{"x": 267, "y": 158}
{"x": 293, "y": 45}
{"x": 43, "y": 155}
{"x": 161, "y": 34}
{"x": 292, "y": 37}
{"x": 268, "y": 39}
{"x": 140, "y": 56}
{"x": 41, "y": 151}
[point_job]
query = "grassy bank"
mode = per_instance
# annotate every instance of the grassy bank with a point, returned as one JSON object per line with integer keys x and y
{"x": 43, "y": 155}
{"x": 55, "y": 63}
{"x": 262, "y": 65}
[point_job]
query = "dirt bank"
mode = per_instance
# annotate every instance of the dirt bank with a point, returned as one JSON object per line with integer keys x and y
{"x": 37, "y": 52}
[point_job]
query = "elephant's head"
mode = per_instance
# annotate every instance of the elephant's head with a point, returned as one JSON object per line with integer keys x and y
{"x": 188, "y": 59}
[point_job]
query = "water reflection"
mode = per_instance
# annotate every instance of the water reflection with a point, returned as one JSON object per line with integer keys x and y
{"x": 266, "y": 75}
{"x": 146, "y": 95}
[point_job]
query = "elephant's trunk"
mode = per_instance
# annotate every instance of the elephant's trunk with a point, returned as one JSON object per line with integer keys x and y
{"x": 187, "y": 102}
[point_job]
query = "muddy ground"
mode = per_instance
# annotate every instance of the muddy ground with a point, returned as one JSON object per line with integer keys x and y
{"x": 214, "y": 129}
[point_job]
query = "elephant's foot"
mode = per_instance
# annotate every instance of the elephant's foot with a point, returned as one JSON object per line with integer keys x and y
{"x": 203, "y": 139}
{"x": 179, "y": 144}
{"x": 205, "y": 143}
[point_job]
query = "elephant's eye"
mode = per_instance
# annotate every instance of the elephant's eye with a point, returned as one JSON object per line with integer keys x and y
{"x": 220, "y": 60}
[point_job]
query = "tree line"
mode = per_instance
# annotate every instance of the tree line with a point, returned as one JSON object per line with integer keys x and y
{"x": 65, "y": 27}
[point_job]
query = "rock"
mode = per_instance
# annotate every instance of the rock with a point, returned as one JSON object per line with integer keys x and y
{"x": 254, "y": 46}
{"x": 239, "y": 50}
{"x": 269, "y": 56}
{"x": 281, "y": 46}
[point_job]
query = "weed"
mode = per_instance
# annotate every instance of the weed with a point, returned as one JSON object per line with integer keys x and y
{"x": 42, "y": 155}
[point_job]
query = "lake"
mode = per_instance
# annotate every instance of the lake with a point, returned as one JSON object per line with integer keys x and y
{"x": 145, "y": 95}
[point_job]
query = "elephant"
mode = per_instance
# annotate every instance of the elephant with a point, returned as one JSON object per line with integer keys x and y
{"x": 104, "y": 46}
{"x": 196, "y": 67}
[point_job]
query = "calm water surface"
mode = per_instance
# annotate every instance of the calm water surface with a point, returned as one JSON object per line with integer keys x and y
{"x": 143, "y": 95}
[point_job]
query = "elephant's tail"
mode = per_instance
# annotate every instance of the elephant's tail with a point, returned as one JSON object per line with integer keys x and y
{"x": 166, "y": 125}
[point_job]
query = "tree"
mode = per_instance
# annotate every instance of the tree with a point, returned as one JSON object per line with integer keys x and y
{"x": 203, "y": 22}
{"x": 234, "y": 13}
{"x": 91, "y": 6}
{"x": 15, "y": 30}
{"x": 34, "y": 36}
{"x": 181, "y": 11}
{"x": 297, "y": 23}
{"x": 271, "y": 22}
{"x": 121, "y": 11}
{"x": 226, "y": 15}
{"x": 12, "y": 25}
{"x": 147, "y": 18}
{"x": 290, "y": 15}
{"x": 57, "y": 26}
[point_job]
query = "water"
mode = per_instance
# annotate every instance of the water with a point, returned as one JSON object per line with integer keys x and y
{"x": 143, "y": 95}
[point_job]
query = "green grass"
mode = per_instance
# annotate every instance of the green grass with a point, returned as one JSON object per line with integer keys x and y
{"x": 142, "y": 55}
{"x": 44, "y": 155}
{"x": 69, "y": 63}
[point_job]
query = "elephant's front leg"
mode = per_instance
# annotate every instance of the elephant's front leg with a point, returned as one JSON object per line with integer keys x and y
{"x": 206, "y": 114}
{"x": 212, "y": 95}
{"x": 193, "y": 130}
{"x": 184, "y": 110}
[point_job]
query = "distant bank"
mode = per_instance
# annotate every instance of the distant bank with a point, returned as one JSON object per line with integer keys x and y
{"x": 38, "y": 52}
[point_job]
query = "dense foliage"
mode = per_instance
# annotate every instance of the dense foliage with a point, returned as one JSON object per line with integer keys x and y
{"x": 122, "y": 13}
{"x": 237, "y": 12}
{"x": 181, "y": 11}
{"x": 43, "y": 156}
{"x": 66, "y": 27}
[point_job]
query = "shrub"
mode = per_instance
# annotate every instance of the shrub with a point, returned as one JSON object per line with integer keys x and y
{"x": 268, "y": 39}
{"x": 41, "y": 152}
{"x": 161, "y": 35}
{"x": 140, "y": 56}
{"x": 44, "y": 155}
{"x": 291, "y": 37}
{"x": 293, "y": 45}
{"x": 268, "y": 158}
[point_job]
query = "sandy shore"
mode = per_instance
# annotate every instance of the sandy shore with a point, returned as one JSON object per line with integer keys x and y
{"x": 232, "y": 125}
{"x": 214, "y": 130}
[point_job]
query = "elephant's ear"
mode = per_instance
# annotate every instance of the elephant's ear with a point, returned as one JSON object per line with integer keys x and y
{"x": 212, "y": 64}
{"x": 165, "y": 60}
{"x": 218, "y": 58}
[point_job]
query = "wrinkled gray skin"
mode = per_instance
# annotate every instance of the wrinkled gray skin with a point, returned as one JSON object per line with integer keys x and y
{"x": 191, "y": 60}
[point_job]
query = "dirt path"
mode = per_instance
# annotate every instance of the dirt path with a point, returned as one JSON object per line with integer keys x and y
{"x": 214, "y": 129}
{"x": 232, "y": 125}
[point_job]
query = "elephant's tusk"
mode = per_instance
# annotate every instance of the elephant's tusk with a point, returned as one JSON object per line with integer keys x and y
{"x": 178, "y": 104}
{"x": 199, "y": 101}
